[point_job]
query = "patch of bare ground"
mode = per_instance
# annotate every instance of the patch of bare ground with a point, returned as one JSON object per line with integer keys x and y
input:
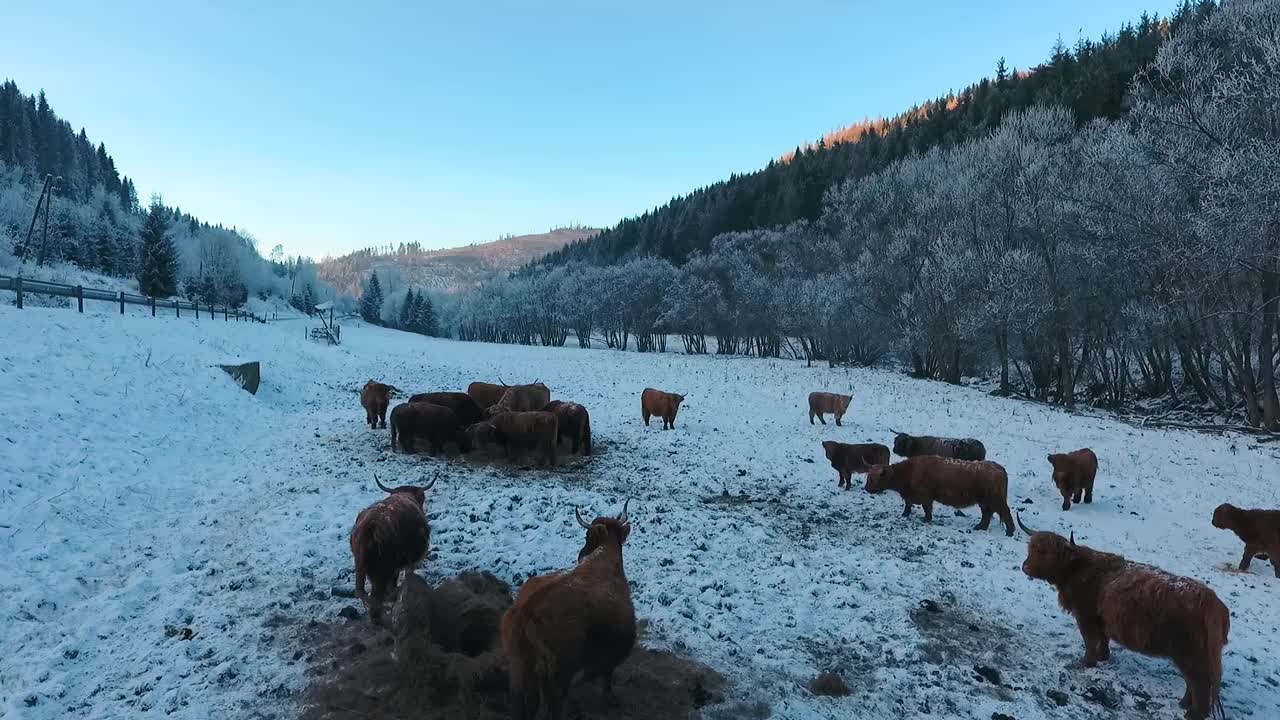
{"x": 440, "y": 656}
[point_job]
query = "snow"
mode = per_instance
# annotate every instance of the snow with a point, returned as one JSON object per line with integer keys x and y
{"x": 144, "y": 492}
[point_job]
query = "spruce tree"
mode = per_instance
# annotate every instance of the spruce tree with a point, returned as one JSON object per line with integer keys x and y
{"x": 308, "y": 300}
{"x": 159, "y": 273}
{"x": 425, "y": 316}
{"x": 407, "y": 311}
{"x": 371, "y": 301}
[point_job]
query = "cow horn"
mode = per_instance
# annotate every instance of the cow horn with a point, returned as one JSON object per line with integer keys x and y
{"x": 502, "y": 382}
{"x": 623, "y": 516}
{"x": 1073, "y": 538}
{"x": 581, "y": 522}
{"x": 895, "y": 432}
{"x": 1025, "y": 529}
{"x": 429, "y": 485}
{"x": 384, "y": 487}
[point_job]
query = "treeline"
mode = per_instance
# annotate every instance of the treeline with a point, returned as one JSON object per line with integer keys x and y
{"x": 1106, "y": 262}
{"x": 1089, "y": 79}
{"x": 95, "y": 221}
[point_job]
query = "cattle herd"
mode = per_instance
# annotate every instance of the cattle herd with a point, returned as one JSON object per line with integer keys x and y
{"x": 581, "y": 622}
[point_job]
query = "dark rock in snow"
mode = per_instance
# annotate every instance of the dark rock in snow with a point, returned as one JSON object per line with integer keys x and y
{"x": 348, "y": 613}
{"x": 829, "y": 684}
{"x": 990, "y": 674}
{"x": 1058, "y": 696}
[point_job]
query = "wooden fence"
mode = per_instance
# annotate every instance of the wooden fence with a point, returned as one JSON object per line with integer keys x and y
{"x": 21, "y": 286}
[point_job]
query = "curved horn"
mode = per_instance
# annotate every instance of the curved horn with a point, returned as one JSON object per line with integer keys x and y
{"x": 384, "y": 487}
{"x": 581, "y": 522}
{"x": 1025, "y": 529}
{"x": 429, "y": 485}
{"x": 535, "y": 381}
{"x": 895, "y": 432}
{"x": 622, "y": 517}
{"x": 501, "y": 382}
{"x": 1073, "y": 538}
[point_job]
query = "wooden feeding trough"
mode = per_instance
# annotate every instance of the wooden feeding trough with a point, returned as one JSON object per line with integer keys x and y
{"x": 329, "y": 330}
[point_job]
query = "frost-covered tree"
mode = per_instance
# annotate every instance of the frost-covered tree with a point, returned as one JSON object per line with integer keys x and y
{"x": 159, "y": 272}
{"x": 371, "y": 301}
{"x": 407, "y": 308}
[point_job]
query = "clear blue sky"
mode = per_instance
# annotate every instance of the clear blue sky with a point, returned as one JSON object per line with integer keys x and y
{"x": 329, "y": 126}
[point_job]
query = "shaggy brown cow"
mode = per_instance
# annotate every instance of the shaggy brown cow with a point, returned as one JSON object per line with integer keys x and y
{"x": 375, "y": 397}
{"x": 460, "y": 403}
{"x": 1073, "y": 473}
{"x": 1259, "y": 529}
{"x": 486, "y": 394}
{"x": 578, "y": 621}
{"x": 575, "y": 424}
{"x": 958, "y": 483}
{"x": 825, "y": 402}
{"x": 848, "y": 459}
{"x": 535, "y": 430}
{"x": 1141, "y": 607}
{"x": 655, "y": 403}
{"x": 389, "y": 536}
{"x": 435, "y": 424}
{"x": 905, "y": 445}
{"x": 521, "y": 398}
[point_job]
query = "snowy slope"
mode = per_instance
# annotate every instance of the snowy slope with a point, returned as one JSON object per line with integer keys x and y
{"x": 144, "y": 497}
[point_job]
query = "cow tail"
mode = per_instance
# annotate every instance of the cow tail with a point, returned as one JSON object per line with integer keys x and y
{"x": 586, "y": 434}
{"x": 1219, "y": 633}
{"x": 394, "y": 435}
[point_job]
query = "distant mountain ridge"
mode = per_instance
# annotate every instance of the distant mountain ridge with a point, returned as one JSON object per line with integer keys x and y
{"x": 447, "y": 269}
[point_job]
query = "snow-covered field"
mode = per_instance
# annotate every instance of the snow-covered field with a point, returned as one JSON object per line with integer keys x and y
{"x": 157, "y": 523}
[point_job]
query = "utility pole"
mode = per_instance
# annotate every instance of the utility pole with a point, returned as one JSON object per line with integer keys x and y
{"x": 26, "y": 245}
{"x": 44, "y": 242}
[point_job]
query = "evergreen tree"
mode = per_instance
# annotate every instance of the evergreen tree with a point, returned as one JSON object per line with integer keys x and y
{"x": 424, "y": 316}
{"x": 407, "y": 312}
{"x": 159, "y": 276}
{"x": 308, "y": 300}
{"x": 371, "y": 301}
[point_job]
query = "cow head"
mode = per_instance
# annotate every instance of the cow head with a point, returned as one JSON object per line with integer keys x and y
{"x": 417, "y": 492}
{"x": 829, "y": 447}
{"x": 677, "y": 399}
{"x": 842, "y": 403}
{"x": 878, "y": 477}
{"x": 901, "y": 443}
{"x": 604, "y": 530}
{"x": 1049, "y": 555}
{"x": 1224, "y": 516}
{"x": 481, "y": 434}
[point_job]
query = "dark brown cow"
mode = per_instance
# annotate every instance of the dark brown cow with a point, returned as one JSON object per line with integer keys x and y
{"x": 1258, "y": 529}
{"x": 905, "y": 445}
{"x": 821, "y": 403}
{"x": 435, "y": 424}
{"x": 656, "y": 403}
{"x": 375, "y": 397}
{"x": 575, "y": 424}
{"x": 959, "y": 483}
{"x": 486, "y": 394}
{"x": 1141, "y": 607}
{"x": 538, "y": 431}
{"x": 460, "y": 403}
{"x": 521, "y": 398}
{"x": 848, "y": 459}
{"x": 1073, "y": 474}
{"x": 566, "y": 623}
{"x": 389, "y": 536}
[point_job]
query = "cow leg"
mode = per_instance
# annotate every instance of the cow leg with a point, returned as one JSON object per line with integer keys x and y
{"x": 985, "y": 523}
{"x": 646, "y": 419}
{"x": 1196, "y": 699}
{"x": 1088, "y": 493}
{"x": 821, "y": 418}
{"x": 838, "y": 418}
{"x": 1249, "y": 551}
{"x": 1066, "y": 501}
{"x": 906, "y": 510}
{"x": 1006, "y": 517}
{"x": 1077, "y": 496}
{"x": 928, "y": 510}
{"x": 1096, "y": 646}
{"x": 810, "y": 417}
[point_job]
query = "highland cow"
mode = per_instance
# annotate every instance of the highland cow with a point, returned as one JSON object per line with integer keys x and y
{"x": 575, "y": 424}
{"x": 907, "y": 446}
{"x": 1258, "y": 529}
{"x": 389, "y": 536}
{"x": 656, "y": 403}
{"x": 460, "y": 403}
{"x": 521, "y": 398}
{"x": 375, "y": 397}
{"x": 1073, "y": 473}
{"x": 821, "y": 403}
{"x": 848, "y": 459}
{"x": 486, "y": 394}
{"x": 434, "y": 424}
{"x": 959, "y": 483}
{"x": 1140, "y": 607}
{"x": 576, "y": 621}
{"x": 537, "y": 430}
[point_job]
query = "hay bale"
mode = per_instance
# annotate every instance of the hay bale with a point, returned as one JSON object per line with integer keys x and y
{"x": 465, "y": 612}
{"x": 411, "y": 622}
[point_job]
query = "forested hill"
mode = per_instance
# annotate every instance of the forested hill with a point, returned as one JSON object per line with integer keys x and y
{"x": 32, "y": 136}
{"x": 1090, "y": 78}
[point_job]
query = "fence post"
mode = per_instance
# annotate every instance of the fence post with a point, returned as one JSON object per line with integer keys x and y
{"x": 80, "y": 296}
{"x": 121, "y": 296}
{"x": 225, "y": 313}
{"x": 151, "y": 301}
{"x": 17, "y": 287}
{"x": 177, "y": 308}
